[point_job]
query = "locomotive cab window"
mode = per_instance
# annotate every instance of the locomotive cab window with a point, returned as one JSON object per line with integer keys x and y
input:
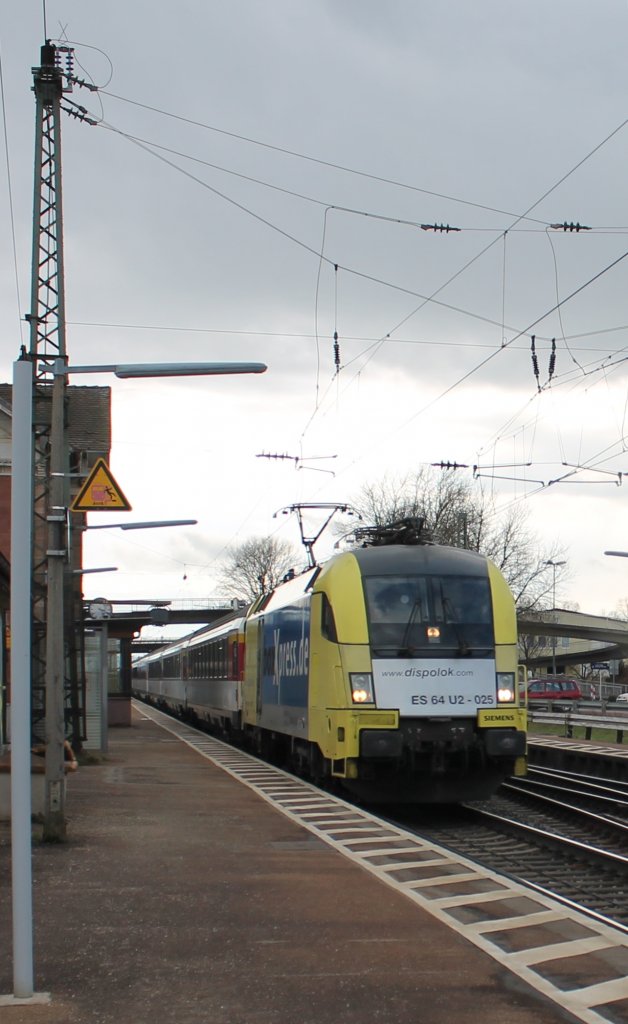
{"x": 328, "y": 623}
{"x": 431, "y": 615}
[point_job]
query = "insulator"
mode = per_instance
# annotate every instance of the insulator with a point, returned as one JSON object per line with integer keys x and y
{"x": 552, "y": 359}
{"x": 570, "y": 226}
{"x": 535, "y": 362}
{"x": 48, "y": 55}
{"x": 446, "y": 228}
{"x": 82, "y": 83}
{"x": 80, "y": 113}
{"x": 336, "y": 351}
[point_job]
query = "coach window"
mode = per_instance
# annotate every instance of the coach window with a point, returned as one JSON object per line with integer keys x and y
{"x": 154, "y": 670}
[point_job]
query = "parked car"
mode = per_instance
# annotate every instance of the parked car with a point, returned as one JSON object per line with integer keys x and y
{"x": 554, "y": 688}
{"x": 623, "y": 697}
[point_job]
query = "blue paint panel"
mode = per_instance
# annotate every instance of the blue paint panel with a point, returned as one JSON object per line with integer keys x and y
{"x": 286, "y": 640}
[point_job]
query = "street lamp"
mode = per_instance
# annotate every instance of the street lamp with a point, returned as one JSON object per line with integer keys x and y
{"x": 554, "y": 566}
{"x": 21, "y": 625}
{"x": 150, "y": 525}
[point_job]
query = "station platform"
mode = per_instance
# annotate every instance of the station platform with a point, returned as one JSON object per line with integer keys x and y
{"x": 607, "y": 760}
{"x": 182, "y": 896}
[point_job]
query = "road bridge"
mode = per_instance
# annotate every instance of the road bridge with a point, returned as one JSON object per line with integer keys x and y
{"x": 583, "y": 637}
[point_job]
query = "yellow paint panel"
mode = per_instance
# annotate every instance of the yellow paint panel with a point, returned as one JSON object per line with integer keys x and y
{"x": 252, "y": 661}
{"x": 504, "y": 614}
{"x": 337, "y": 730}
{"x": 341, "y": 580}
{"x": 378, "y": 719}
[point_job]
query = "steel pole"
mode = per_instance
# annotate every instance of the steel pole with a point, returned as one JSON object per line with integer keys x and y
{"x": 554, "y": 607}
{"x": 21, "y": 569}
{"x": 104, "y": 687}
{"x": 54, "y": 808}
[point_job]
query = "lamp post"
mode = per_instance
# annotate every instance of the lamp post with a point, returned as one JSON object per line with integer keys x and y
{"x": 21, "y": 612}
{"x": 554, "y": 566}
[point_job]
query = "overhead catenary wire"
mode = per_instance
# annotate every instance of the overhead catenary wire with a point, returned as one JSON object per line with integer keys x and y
{"x": 594, "y": 462}
{"x": 555, "y": 307}
{"x": 571, "y": 226}
{"x": 312, "y": 159}
{"x": 567, "y": 378}
{"x": 425, "y": 299}
{"x": 321, "y": 257}
{"x": 560, "y": 319}
{"x": 464, "y": 377}
{"x": 326, "y": 203}
{"x": 378, "y": 280}
{"x": 518, "y": 218}
{"x": 177, "y": 328}
{"x": 432, "y": 298}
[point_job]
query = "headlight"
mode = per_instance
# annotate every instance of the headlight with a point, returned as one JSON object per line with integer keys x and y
{"x": 361, "y": 687}
{"x": 505, "y": 687}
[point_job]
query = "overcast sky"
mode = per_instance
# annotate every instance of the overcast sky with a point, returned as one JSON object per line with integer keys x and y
{"x": 246, "y": 150}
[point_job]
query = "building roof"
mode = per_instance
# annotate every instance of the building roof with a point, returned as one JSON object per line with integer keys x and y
{"x": 89, "y": 416}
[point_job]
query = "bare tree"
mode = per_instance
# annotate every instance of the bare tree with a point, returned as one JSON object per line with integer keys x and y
{"x": 531, "y": 647}
{"x": 256, "y": 566}
{"x": 444, "y": 501}
{"x": 456, "y": 515}
{"x": 621, "y": 608}
{"x": 516, "y": 551}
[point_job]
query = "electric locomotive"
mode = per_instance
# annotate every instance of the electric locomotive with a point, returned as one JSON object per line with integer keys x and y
{"x": 392, "y": 668}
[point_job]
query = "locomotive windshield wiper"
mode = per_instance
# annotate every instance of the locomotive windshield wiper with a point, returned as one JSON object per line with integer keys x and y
{"x": 463, "y": 644}
{"x": 405, "y": 648}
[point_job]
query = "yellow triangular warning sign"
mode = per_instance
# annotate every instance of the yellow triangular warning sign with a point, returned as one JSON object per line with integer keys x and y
{"x": 100, "y": 491}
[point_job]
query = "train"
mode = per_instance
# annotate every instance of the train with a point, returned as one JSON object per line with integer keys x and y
{"x": 390, "y": 669}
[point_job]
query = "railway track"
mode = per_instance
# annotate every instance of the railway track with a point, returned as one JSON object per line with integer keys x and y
{"x": 575, "y": 789}
{"x": 561, "y": 834}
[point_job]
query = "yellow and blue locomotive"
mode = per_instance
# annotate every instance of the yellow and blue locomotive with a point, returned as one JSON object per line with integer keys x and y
{"x": 392, "y": 668}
